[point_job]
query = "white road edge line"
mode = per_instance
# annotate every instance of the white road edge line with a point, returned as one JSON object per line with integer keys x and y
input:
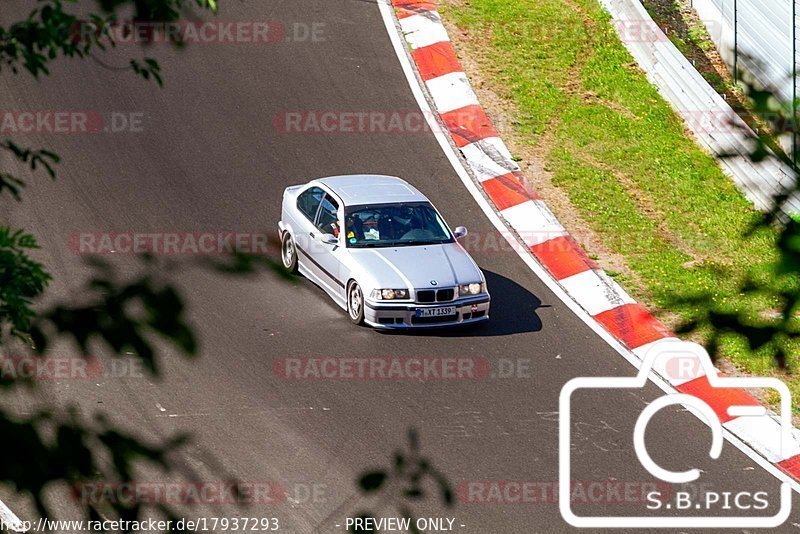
{"x": 401, "y": 51}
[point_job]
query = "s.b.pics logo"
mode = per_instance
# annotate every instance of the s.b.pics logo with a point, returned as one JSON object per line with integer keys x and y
{"x": 723, "y": 404}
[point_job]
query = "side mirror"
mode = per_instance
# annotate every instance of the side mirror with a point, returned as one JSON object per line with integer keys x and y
{"x": 329, "y": 239}
{"x": 460, "y": 232}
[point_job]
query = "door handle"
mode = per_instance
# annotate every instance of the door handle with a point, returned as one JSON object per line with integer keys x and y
{"x": 311, "y": 234}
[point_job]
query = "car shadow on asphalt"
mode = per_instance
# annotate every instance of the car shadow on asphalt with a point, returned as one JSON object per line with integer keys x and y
{"x": 513, "y": 311}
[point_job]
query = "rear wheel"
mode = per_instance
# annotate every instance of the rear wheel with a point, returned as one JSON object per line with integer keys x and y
{"x": 288, "y": 253}
{"x": 355, "y": 303}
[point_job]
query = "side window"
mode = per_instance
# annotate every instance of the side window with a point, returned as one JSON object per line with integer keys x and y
{"x": 328, "y": 221}
{"x": 308, "y": 202}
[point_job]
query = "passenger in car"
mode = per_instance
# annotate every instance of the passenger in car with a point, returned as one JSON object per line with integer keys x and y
{"x": 355, "y": 226}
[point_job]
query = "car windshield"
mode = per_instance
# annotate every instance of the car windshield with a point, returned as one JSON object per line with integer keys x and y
{"x": 391, "y": 225}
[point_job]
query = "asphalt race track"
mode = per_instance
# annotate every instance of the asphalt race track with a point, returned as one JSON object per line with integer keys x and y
{"x": 209, "y": 158}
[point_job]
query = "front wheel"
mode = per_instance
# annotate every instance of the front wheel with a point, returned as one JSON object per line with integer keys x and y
{"x": 355, "y": 303}
{"x": 288, "y": 253}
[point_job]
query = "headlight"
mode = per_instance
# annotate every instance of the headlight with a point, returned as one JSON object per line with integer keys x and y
{"x": 389, "y": 294}
{"x": 471, "y": 289}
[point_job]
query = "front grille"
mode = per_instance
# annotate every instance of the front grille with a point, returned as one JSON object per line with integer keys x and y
{"x": 444, "y": 295}
{"x": 390, "y": 320}
{"x": 426, "y": 295}
{"x": 435, "y": 295}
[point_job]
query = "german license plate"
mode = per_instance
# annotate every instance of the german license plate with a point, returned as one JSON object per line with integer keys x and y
{"x": 436, "y": 312}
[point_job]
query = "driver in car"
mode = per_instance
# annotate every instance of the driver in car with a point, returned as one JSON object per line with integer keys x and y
{"x": 393, "y": 226}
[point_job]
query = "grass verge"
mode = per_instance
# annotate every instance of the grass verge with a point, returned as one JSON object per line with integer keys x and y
{"x": 570, "y": 96}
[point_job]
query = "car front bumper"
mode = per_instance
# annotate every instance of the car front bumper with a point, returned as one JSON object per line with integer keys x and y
{"x": 382, "y": 314}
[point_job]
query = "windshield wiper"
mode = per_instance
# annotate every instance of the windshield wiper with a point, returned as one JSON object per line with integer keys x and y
{"x": 400, "y": 243}
{"x": 426, "y": 242}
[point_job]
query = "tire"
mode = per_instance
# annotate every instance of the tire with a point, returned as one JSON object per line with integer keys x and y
{"x": 355, "y": 303}
{"x": 288, "y": 253}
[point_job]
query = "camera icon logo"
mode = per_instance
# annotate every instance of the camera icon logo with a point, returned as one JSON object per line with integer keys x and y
{"x": 679, "y": 362}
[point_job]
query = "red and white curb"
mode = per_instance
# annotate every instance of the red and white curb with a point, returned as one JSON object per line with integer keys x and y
{"x": 501, "y": 180}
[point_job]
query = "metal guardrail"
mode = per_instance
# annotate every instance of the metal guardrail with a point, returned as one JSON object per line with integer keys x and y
{"x": 757, "y": 38}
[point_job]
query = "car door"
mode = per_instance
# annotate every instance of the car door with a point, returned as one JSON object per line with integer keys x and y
{"x": 328, "y": 257}
{"x": 308, "y": 203}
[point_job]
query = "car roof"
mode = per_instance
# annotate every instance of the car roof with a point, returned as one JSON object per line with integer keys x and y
{"x": 359, "y": 189}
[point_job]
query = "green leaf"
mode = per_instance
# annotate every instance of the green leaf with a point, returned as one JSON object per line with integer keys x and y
{"x": 372, "y": 481}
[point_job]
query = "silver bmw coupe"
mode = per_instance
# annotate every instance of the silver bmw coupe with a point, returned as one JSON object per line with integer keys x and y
{"x": 382, "y": 252}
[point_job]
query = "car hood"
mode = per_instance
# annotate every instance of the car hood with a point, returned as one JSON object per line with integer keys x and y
{"x": 418, "y": 266}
